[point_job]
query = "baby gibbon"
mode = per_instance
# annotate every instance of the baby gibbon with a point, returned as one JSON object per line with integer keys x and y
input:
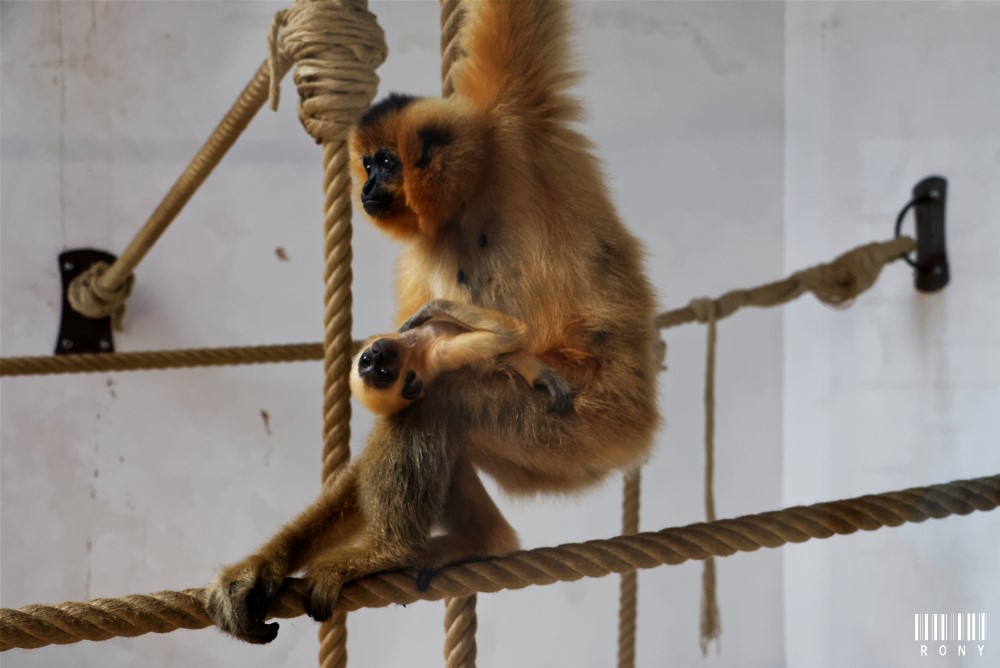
{"x": 501, "y": 206}
{"x": 393, "y": 370}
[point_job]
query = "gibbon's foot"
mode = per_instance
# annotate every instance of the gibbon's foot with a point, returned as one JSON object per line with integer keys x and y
{"x": 425, "y": 313}
{"x": 427, "y": 573}
{"x": 322, "y": 591}
{"x": 560, "y": 391}
{"x": 238, "y": 599}
{"x": 424, "y": 578}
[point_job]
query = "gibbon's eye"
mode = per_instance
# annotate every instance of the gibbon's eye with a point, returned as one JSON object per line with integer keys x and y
{"x": 384, "y": 374}
{"x": 388, "y": 164}
{"x": 365, "y": 361}
{"x": 367, "y": 164}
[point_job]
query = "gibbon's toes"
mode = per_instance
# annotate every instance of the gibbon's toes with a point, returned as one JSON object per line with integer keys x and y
{"x": 238, "y": 600}
{"x": 322, "y": 592}
{"x": 417, "y": 319}
{"x": 559, "y": 390}
{"x": 424, "y": 578}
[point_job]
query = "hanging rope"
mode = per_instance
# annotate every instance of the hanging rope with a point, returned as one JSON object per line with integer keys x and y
{"x": 336, "y": 46}
{"x": 103, "y": 290}
{"x": 835, "y": 283}
{"x": 100, "y": 619}
{"x": 709, "y": 628}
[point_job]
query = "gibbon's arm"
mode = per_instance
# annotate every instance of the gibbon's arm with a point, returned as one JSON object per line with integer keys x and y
{"x": 518, "y": 56}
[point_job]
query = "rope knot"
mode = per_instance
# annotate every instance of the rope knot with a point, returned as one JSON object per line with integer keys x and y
{"x": 839, "y": 282}
{"x": 89, "y": 297}
{"x": 705, "y": 309}
{"x": 336, "y": 45}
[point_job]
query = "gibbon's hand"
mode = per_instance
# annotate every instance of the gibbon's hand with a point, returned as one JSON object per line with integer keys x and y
{"x": 559, "y": 390}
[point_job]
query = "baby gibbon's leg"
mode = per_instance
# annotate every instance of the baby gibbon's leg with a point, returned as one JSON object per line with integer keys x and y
{"x": 240, "y": 595}
{"x": 474, "y": 526}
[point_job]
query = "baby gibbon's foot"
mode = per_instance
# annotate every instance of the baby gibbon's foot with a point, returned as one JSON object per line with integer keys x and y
{"x": 322, "y": 590}
{"x": 559, "y": 390}
{"x": 424, "y": 578}
{"x": 426, "y": 312}
{"x": 238, "y": 599}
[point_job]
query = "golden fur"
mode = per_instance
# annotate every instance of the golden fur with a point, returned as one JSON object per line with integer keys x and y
{"x": 502, "y": 207}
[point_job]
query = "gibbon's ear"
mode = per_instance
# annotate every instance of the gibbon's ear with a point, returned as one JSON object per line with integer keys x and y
{"x": 444, "y": 150}
{"x": 412, "y": 386}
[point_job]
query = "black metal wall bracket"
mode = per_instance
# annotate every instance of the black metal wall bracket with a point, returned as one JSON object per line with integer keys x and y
{"x": 928, "y": 203}
{"x": 77, "y": 333}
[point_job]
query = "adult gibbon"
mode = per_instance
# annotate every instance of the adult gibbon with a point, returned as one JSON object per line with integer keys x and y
{"x": 392, "y": 371}
{"x": 502, "y": 207}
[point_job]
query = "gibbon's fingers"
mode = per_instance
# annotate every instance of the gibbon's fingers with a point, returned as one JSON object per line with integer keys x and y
{"x": 559, "y": 390}
{"x": 240, "y": 596}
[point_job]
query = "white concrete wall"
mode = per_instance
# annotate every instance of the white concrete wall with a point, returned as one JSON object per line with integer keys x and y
{"x": 903, "y": 389}
{"x": 145, "y": 481}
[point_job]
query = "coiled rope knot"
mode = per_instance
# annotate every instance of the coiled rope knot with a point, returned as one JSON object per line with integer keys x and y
{"x": 89, "y": 297}
{"x": 336, "y": 46}
{"x": 704, "y": 309}
{"x": 837, "y": 283}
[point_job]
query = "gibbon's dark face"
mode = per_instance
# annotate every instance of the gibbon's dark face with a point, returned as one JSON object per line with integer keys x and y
{"x": 381, "y": 365}
{"x": 384, "y": 173}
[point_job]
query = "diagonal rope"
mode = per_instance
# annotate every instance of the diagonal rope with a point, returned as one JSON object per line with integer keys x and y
{"x": 104, "y": 291}
{"x": 100, "y": 619}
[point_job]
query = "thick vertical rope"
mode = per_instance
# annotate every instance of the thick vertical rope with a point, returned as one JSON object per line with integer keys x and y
{"x": 337, "y": 354}
{"x": 336, "y": 45}
{"x": 452, "y": 14}
{"x": 459, "y": 613}
{"x": 460, "y": 632}
{"x": 628, "y": 588}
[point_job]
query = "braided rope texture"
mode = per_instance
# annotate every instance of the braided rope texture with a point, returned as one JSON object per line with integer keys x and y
{"x": 229, "y": 129}
{"x": 452, "y": 17}
{"x": 336, "y": 46}
{"x": 161, "y": 359}
{"x": 628, "y": 588}
{"x": 337, "y": 320}
{"x": 460, "y": 622}
{"x": 460, "y": 632}
{"x": 100, "y": 619}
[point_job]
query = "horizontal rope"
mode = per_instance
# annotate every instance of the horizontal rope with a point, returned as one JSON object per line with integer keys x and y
{"x": 100, "y": 619}
{"x": 159, "y": 359}
{"x": 834, "y": 283}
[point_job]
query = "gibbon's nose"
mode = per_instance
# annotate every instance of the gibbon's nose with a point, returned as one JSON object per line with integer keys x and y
{"x": 381, "y": 348}
{"x": 369, "y": 187}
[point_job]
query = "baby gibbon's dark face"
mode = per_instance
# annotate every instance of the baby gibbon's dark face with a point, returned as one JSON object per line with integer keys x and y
{"x": 382, "y": 364}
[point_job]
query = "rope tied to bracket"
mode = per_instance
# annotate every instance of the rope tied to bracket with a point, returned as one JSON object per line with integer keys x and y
{"x": 336, "y": 47}
{"x": 88, "y": 296}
